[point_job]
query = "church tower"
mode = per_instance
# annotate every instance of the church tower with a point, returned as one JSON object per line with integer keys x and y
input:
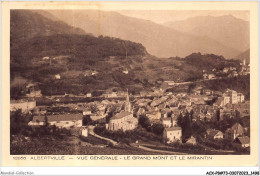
{"x": 244, "y": 63}
{"x": 127, "y": 103}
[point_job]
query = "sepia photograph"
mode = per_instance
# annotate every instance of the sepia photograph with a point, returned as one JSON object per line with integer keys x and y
{"x": 130, "y": 84}
{"x": 91, "y": 82}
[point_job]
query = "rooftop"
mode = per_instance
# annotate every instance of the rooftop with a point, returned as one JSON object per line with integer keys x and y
{"x": 166, "y": 119}
{"x": 60, "y": 117}
{"x": 173, "y": 129}
{"x": 244, "y": 140}
{"x": 121, "y": 115}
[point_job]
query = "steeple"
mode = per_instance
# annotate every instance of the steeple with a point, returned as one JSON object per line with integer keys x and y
{"x": 244, "y": 63}
{"x": 127, "y": 103}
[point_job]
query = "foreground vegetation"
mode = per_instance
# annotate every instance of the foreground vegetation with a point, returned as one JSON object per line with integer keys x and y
{"x": 53, "y": 146}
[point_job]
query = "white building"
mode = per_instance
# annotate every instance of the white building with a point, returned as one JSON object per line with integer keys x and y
{"x": 240, "y": 98}
{"x": 60, "y": 121}
{"x": 57, "y": 76}
{"x": 24, "y": 105}
{"x": 172, "y": 134}
{"x": 211, "y": 76}
{"x": 89, "y": 95}
{"x": 84, "y": 131}
{"x": 166, "y": 122}
{"x": 122, "y": 121}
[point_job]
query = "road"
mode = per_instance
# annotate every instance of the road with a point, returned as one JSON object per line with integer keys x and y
{"x": 161, "y": 151}
{"x": 91, "y": 131}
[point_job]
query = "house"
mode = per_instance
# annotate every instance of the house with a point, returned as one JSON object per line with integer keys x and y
{"x": 214, "y": 134}
{"x": 243, "y": 141}
{"x": 38, "y": 121}
{"x": 46, "y": 58}
{"x": 84, "y": 131}
{"x": 155, "y": 115}
{"x": 233, "y": 96}
{"x": 89, "y": 95}
{"x": 192, "y": 140}
{"x": 60, "y": 121}
{"x": 172, "y": 134}
{"x": 164, "y": 114}
{"x": 124, "y": 121}
{"x": 226, "y": 99}
{"x": 110, "y": 95}
{"x": 232, "y": 68}
{"x": 175, "y": 114}
{"x": 198, "y": 90}
{"x": 234, "y": 73}
{"x": 32, "y": 90}
{"x": 125, "y": 71}
{"x": 94, "y": 73}
{"x": 225, "y": 70}
{"x": 86, "y": 111}
{"x": 219, "y": 102}
{"x": 207, "y": 92}
{"x": 156, "y": 102}
{"x": 162, "y": 106}
{"x": 211, "y": 76}
{"x": 140, "y": 111}
{"x": 142, "y": 102}
{"x": 57, "y": 76}
{"x": 166, "y": 122}
{"x": 174, "y": 120}
{"x": 217, "y": 93}
{"x": 25, "y": 105}
{"x": 205, "y": 76}
{"x": 42, "y": 110}
{"x": 34, "y": 93}
{"x": 144, "y": 93}
{"x": 240, "y": 98}
{"x": 235, "y": 131}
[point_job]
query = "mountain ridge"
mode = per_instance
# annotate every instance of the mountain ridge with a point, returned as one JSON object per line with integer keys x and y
{"x": 159, "y": 40}
{"x": 225, "y": 29}
{"x": 28, "y": 24}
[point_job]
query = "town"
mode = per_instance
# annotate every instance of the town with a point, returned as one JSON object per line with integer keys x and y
{"x": 196, "y": 120}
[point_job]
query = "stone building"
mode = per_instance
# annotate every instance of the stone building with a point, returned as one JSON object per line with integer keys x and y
{"x": 123, "y": 120}
{"x": 172, "y": 134}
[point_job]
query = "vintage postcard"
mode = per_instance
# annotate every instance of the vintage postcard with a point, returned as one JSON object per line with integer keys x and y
{"x": 129, "y": 84}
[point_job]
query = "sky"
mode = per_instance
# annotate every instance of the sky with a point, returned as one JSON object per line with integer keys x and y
{"x": 162, "y": 16}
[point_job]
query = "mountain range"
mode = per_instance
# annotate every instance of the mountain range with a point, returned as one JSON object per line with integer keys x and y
{"x": 26, "y": 24}
{"x": 245, "y": 55}
{"x": 226, "y": 29}
{"x": 74, "y": 52}
{"x": 159, "y": 40}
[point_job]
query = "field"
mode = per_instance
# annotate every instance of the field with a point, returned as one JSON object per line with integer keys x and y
{"x": 67, "y": 146}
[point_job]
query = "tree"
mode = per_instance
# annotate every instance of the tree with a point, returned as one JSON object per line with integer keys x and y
{"x": 86, "y": 120}
{"x": 237, "y": 114}
{"x": 15, "y": 121}
{"x": 191, "y": 114}
{"x": 144, "y": 122}
{"x": 46, "y": 120}
{"x": 157, "y": 128}
{"x": 218, "y": 115}
{"x": 186, "y": 127}
{"x": 191, "y": 87}
{"x": 179, "y": 120}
